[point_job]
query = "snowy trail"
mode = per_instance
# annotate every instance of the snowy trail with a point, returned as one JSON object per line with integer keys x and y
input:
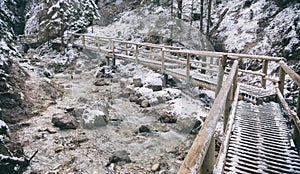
{"x": 166, "y": 144}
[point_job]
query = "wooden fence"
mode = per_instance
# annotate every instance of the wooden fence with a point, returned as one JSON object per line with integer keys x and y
{"x": 200, "y": 156}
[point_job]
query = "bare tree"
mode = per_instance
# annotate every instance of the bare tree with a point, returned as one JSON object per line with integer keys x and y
{"x": 208, "y": 17}
{"x": 192, "y": 11}
{"x": 179, "y": 13}
{"x": 201, "y": 15}
{"x": 172, "y": 8}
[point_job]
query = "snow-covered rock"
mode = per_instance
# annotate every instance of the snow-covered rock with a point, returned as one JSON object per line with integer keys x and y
{"x": 48, "y": 18}
{"x": 4, "y": 129}
{"x": 93, "y": 119}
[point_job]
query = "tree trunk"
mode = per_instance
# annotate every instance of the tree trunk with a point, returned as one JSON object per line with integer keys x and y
{"x": 172, "y": 8}
{"x": 192, "y": 11}
{"x": 179, "y": 4}
{"x": 208, "y": 17}
{"x": 201, "y": 15}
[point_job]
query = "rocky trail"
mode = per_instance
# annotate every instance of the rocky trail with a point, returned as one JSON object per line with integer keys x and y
{"x": 95, "y": 128}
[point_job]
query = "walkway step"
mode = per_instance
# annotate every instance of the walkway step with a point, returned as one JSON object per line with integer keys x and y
{"x": 259, "y": 141}
{"x": 257, "y": 95}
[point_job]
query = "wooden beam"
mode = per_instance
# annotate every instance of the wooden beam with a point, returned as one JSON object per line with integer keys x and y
{"x": 188, "y": 68}
{"x": 162, "y": 61}
{"x": 222, "y": 65}
{"x": 281, "y": 80}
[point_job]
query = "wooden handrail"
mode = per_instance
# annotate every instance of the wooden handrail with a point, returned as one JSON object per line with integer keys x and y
{"x": 290, "y": 72}
{"x": 195, "y": 157}
{"x": 224, "y": 147}
{"x": 230, "y": 55}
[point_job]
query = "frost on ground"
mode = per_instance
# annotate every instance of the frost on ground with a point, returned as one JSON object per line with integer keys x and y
{"x": 131, "y": 129}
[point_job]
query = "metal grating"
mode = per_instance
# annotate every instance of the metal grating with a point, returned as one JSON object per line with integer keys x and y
{"x": 257, "y": 95}
{"x": 259, "y": 142}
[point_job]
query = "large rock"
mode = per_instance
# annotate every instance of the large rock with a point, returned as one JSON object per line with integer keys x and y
{"x": 101, "y": 82}
{"x": 120, "y": 157}
{"x": 100, "y": 72}
{"x": 144, "y": 129}
{"x": 153, "y": 81}
{"x": 145, "y": 103}
{"x": 137, "y": 82}
{"x": 64, "y": 121}
{"x": 168, "y": 118}
{"x": 93, "y": 118}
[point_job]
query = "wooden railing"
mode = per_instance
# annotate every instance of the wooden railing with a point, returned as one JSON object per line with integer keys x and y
{"x": 203, "y": 148}
{"x": 200, "y": 157}
{"x": 294, "y": 117}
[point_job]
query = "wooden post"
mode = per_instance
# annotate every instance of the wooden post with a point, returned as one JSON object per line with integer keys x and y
{"x": 281, "y": 80}
{"x": 113, "y": 47}
{"x": 163, "y": 60}
{"x": 151, "y": 51}
{"x": 136, "y": 54}
{"x": 211, "y": 62}
{"x": 114, "y": 61}
{"x": 298, "y": 105}
{"x": 203, "y": 71}
{"x": 222, "y": 65}
{"x": 209, "y": 159}
{"x": 165, "y": 80}
{"x": 229, "y": 100}
{"x": 107, "y": 60}
{"x": 126, "y": 45}
{"x": 188, "y": 68}
{"x": 83, "y": 40}
{"x": 265, "y": 71}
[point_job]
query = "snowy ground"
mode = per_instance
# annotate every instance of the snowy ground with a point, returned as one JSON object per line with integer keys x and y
{"x": 166, "y": 144}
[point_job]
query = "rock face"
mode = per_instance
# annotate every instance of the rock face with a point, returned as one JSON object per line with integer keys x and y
{"x": 45, "y": 17}
{"x": 93, "y": 119}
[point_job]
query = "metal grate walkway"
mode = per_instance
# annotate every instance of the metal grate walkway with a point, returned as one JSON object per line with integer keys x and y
{"x": 259, "y": 142}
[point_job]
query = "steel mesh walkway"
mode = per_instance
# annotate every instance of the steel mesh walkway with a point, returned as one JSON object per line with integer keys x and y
{"x": 259, "y": 142}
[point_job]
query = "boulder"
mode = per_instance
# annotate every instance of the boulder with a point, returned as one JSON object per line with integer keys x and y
{"x": 168, "y": 118}
{"x": 64, "y": 121}
{"x": 133, "y": 98}
{"x": 120, "y": 157}
{"x": 145, "y": 103}
{"x": 137, "y": 82}
{"x": 101, "y": 82}
{"x": 144, "y": 129}
{"x": 155, "y": 87}
{"x": 155, "y": 167}
{"x": 93, "y": 118}
{"x": 100, "y": 72}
